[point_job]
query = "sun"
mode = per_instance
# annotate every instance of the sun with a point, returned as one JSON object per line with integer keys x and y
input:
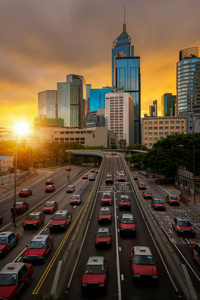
{"x": 22, "y": 128}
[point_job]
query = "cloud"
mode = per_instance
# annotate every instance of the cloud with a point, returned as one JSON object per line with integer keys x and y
{"x": 43, "y": 41}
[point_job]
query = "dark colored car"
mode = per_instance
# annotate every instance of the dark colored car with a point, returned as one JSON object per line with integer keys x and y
{"x": 8, "y": 240}
{"x": 158, "y": 204}
{"x": 49, "y": 182}
{"x": 38, "y": 249}
{"x": 85, "y": 176}
{"x": 109, "y": 179}
{"x": 143, "y": 266}
{"x": 124, "y": 202}
{"x": 127, "y": 224}
{"x": 50, "y": 207}
{"x": 172, "y": 199}
{"x": 92, "y": 171}
{"x": 20, "y": 207}
{"x": 103, "y": 238}
{"x": 95, "y": 275}
{"x": 105, "y": 215}
{"x": 34, "y": 220}
{"x": 106, "y": 199}
{"x": 76, "y": 200}
{"x": 60, "y": 220}
{"x": 25, "y": 193}
{"x": 142, "y": 186}
{"x": 70, "y": 189}
{"x": 14, "y": 277}
{"x": 147, "y": 194}
{"x": 50, "y": 189}
{"x": 183, "y": 227}
{"x": 121, "y": 177}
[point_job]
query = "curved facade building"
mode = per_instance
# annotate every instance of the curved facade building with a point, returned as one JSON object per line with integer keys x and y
{"x": 188, "y": 81}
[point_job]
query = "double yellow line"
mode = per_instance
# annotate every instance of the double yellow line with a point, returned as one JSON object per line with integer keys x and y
{"x": 46, "y": 272}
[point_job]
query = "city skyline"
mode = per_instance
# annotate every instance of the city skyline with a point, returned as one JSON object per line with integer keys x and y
{"x": 42, "y": 42}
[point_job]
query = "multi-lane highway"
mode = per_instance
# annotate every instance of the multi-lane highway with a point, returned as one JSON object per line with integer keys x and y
{"x": 120, "y": 285}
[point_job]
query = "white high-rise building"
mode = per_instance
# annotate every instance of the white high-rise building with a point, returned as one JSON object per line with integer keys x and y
{"x": 119, "y": 115}
{"x": 47, "y": 104}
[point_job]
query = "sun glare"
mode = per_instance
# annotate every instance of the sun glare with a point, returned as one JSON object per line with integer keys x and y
{"x": 21, "y": 128}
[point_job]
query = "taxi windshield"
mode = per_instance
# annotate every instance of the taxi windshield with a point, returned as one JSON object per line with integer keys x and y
{"x": 36, "y": 245}
{"x": 75, "y": 197}
{"x": 158, "y": 201}
{"x": 184, "y": 223}
{"x": 49, "y": 186}
{"x": 95, "y": 269}
{"x": 143, "y": 260}
{"x": 70, "y": 187}
{"x": 172, "y": 197}
{"x": 32, "y": 217}
{"x": 106, "y": 196}
{"x": 49, "y": 204}
{"x": 127, "y": 220}
{"x": 24, "y": 191}
{"x": 103, "y": 234}
{"x": 59, "y": 217}
{"x": 104, "y": 212}
{"x": 3, "y": 240}
{"x": 19, "y": 204}
{"x": 8, "y": 279}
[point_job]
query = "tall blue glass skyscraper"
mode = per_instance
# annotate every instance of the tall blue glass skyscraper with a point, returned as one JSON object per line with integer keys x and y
{"x": 97, "y": 98}
{"x": 126, "y": 75}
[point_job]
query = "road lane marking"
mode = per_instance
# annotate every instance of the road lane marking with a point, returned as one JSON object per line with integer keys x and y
{"x": 48, "y": 268}
{"x": 122, "y": 277}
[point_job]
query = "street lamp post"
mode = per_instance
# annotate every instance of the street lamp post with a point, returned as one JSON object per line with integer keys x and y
{"x": 15, "y": 188}
{"x": 194, "y": 183}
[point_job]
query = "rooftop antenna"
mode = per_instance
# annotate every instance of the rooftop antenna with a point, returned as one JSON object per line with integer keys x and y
{"x": 124, "y": 25}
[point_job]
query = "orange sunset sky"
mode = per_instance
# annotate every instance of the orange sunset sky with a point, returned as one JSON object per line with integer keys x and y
{"x": 42, "y": 41}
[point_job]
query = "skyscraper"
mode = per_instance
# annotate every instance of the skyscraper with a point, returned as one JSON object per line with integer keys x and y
{"x": 71, "y": 97}
{"x": 47, "y": 104}
{"x": 188, "y": 81}
{"x": 126, "y": 75}
{"x": 97, "y": 98}
{"x": 153, "y": 109}
{"x": 119, "y": 111}
{"x": 168, "y": 102}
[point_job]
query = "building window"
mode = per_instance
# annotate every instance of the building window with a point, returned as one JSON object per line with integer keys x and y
{"x": 166, "y": 122}
{"x": 160, "y": 122}
{"x": 166, "y": 133}
{"x": 150, "y": 122}
{"x": 150, "y": 144}
{"x": 155, "y": 122}
{"x": 166, "y": 127}
{"x": 150, "y": 128}
{"x": 150, "y": 133}
{"x": 155, "y": 139}
{"x": 177, "y": 127}
{"x": 171, "y": 127}
{"x": 61, "y": 132}
{"x": 177, "y": 122}
{"x": 161, "y": 127}
{"x": 150, "y": 139}
{"x": 171, "y": 122}
{"x": 155, "y": 128}
{"x": 161, "y": 133}
{"x": 155, "y": 133}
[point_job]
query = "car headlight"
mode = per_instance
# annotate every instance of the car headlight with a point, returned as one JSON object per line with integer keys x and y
{"x": 40, "y": 257}
{"x": 154, "y": 276}
{"x": 34, "y": 224}
{"x": 1, "y": 252}
{"x": 62, "y": 225}
{"x": 137, "y": 275}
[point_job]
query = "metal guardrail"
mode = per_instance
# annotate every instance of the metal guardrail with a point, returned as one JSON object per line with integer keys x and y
{"x": 178, "y": 269}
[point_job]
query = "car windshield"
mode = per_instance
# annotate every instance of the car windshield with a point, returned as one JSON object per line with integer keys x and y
{"x": 124, "y": 198}
{"x": 121, "y": 175}
{"x": 36, "y": 245}
{"x": 8, "y": 279}
{"x": 49, "y": 204}
{"x": 32, "y": 217}
{"x": 24, "y": 191}
{"x": 85, "y": 175}
{"x": 142, "y": 183}
{"x": 147, "y": 192}
{"x": 104, "y": 212}
{"x": 3, "y": 240}
{"x": 126, "y": 220}
{"x": 59, "y": 217}
{"x": 184, "y": 223}
{"x": 70, "y": 187}
{"x": 19, "y": 204}
{"x": 143, "y": 260}
{"x": 49, "y": 186}
{"x": 158, "y": 201}
{"x": 75, "y": 197}
{"x": 106, "y": 196}
{"x": 103, "y": 234}
{"x": 95, "y": 269}
{"x": 172, "y": 197}
{"x": 109, "y": 176}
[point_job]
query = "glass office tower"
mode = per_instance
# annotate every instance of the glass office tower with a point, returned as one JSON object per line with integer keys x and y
{"x": 97, "y": 98}
{"x": 188, "y": 81}
{"x": 126, "y": 75}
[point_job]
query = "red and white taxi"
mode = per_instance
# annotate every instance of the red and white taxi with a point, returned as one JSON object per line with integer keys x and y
{"x": 60, "y": 221}
{"x": 20, "y": 207}
{"x": 143, "y": 266}
{"x": 103, "y": 238}
{"x": 124, "y": 202}
{"x": 25, "y": 193}
{"x": 70, "y": 189}
{"x": 50, "y": 188}
{"x": 127, "y": 224}
{"x": 8, "y": 240}
{"x": 105, "y": 215}
{"x": 38, "y": 249}
{"x": 172, "y": 199}
{"x": 50, "y": 207}
{"x": 106, "y": 199}
{"x": 34, "y": 220}
{"x": 14, "y": 277}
